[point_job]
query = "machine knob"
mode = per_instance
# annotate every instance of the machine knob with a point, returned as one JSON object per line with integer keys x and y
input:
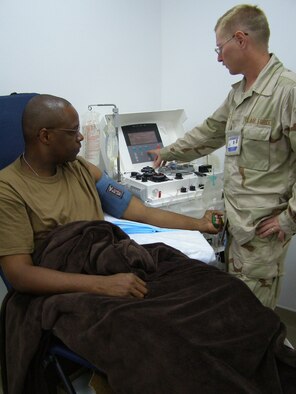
{"x": 178, "y": 175}
{"x": 183, "y": 189}
{"x": 158, "y": 178}
{"x": 148, "y": 169}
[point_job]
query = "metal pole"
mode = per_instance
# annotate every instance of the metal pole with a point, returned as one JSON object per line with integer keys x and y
{"x": 116, "y": 125}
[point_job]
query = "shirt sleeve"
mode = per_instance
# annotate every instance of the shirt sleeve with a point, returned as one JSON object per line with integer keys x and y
{"x": 16, "y": 233}
{"x": 201, "y": 140}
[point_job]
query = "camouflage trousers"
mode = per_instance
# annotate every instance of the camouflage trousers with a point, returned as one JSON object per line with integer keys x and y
{"x": 260, "y": 264}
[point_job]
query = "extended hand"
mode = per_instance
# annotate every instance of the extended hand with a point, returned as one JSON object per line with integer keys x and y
{"x": 206, "y": 222}
{"x": 157, "y": 162}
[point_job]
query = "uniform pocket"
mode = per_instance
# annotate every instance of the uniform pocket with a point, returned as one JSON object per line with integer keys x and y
{"x": 255, "y": 150}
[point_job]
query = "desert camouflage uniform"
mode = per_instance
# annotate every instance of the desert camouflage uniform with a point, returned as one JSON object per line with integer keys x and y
{"x": 258, "y": 128}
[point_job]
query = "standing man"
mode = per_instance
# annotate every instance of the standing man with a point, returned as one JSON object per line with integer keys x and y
{"x": 257, "y": 125}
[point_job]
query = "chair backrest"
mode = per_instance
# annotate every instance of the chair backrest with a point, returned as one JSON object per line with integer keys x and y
{"x": 11, "y": 110}
{"x": 12, "y": 142}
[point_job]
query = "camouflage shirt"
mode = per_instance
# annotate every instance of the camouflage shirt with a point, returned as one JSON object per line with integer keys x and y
{"x": 258, "y": 129}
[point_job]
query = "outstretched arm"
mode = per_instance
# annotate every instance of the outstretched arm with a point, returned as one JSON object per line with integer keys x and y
{"x": 139, "y": 212}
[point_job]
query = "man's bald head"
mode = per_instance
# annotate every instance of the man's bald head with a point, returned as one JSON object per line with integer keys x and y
{"x": 43, "y": 110}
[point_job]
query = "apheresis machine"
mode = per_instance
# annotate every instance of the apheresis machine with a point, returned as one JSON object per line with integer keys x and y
{"x": 177, "y": 187}
{"x": 185, "y": 188}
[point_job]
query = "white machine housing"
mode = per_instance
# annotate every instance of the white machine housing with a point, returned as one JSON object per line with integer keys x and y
{"x": 169, "y": 124}
{"x": 139, "y": 132}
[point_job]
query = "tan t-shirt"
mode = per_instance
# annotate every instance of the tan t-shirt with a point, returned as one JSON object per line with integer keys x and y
{"x": 32, "y": 206}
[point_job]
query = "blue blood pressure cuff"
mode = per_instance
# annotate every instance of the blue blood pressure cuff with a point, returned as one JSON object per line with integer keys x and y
{"x": 114, "y": 197}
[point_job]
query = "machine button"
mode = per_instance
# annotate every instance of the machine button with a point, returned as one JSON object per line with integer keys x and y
{"x": 178, "y": 175}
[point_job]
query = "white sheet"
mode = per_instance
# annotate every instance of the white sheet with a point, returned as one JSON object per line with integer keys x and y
{"x": 191, "y": 243}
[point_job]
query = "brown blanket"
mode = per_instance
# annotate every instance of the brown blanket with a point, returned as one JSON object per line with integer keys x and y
{"x": 199, "y": 330}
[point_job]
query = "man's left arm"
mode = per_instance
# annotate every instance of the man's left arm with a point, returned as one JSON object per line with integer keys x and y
{"x": 287, "y": 219}
{"x": 131, "y": 208}
{"x": 139, "y": 212}
{"x": 285, "y": 222}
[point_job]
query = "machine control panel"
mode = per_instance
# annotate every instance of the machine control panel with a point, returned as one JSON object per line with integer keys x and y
{"x": 141, "y": 138}
{"x": 173, "y": 184}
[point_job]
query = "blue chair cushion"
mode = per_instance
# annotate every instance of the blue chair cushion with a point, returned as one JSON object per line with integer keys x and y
{"x": 11, "y": 111}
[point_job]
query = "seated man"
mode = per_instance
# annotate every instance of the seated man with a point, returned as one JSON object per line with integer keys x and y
{"x": 49, "y": 186}
{"x": 152, "y": 319}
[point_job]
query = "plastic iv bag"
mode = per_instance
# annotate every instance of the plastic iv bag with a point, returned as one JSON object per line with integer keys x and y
{"x": 111, "y": 148}
{"x": 212, "y": 199}
{"x": 212, "y": 193}
{"x": 91, "y": 133}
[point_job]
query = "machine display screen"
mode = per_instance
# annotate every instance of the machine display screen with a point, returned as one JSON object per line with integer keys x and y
{"x": 139, "y": 139}
{"x": 143, "y": 137}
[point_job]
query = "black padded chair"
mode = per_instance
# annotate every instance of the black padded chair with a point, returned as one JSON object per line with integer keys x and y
{"x": 12, "y": 145}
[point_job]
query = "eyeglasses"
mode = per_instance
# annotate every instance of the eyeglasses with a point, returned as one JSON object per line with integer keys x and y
{"x": 218, "y": 49}
{"x": 74, "y": 132}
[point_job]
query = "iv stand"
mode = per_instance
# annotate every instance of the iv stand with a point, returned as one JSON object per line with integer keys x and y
{"x": 116, "y": 125}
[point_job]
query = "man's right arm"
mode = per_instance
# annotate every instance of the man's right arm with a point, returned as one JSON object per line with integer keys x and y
{"x": 28, "y": 278}
{"x": 199, "y": 141}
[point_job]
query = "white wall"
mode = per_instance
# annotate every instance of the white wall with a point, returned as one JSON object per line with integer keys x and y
{"x": 139, "y": 54}
{"x": 288, "y": 292}
{"x": 87, "y": 51}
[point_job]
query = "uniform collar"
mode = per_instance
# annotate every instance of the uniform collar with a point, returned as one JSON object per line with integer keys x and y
{"x": 266, "y": 80}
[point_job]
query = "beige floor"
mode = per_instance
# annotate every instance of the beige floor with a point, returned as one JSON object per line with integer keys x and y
{"x": 289, "y": 318}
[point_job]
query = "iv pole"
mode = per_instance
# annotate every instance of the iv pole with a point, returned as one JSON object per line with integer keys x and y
{"x": 116, "y": 125}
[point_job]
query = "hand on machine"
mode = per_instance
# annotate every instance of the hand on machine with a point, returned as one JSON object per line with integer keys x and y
{"x": 157, "y": 160}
